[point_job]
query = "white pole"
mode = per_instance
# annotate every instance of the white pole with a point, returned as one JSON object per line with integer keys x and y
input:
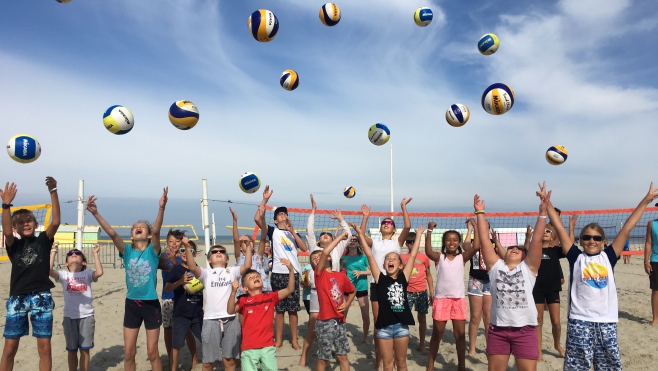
{"x": 206, "y": 227}
{"x": 81, "y": 215}
{"x": 214, "y": 235}
{"x": 392, "y": 209}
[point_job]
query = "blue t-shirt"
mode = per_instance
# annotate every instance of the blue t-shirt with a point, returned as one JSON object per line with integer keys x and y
{"x": 165, "y": 275}
{"x": 654, "y": 242}
{"x": 141, "y": 272}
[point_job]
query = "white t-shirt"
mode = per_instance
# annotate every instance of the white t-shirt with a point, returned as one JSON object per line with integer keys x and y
{"x": 380, "y": 249}
{"x": 77, "y": 293}
{"x": 449, "y": 278}
{"x": 512, "y": 303}
{"x": 284, "y": 247}
{"x": 337, "y": 252}
{"x": 217, "y": 286}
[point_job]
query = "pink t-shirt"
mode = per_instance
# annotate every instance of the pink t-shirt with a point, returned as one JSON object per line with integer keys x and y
{"x": 449, "y": 278}
{"x": 418, "y": 279}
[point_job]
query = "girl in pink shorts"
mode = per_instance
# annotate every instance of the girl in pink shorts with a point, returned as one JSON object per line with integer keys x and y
{"x": 513, "y": 311}
{"x": 449, "y": 299}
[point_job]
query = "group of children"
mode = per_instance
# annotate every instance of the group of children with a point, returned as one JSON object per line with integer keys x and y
{"x": 237, "y": 311}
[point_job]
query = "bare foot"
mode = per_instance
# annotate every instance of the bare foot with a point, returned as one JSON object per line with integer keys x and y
{"x": 278, "y": 345}
{"x": 302, "y": 362}
{"x": 559, "y": 350}
{"x": 539, "y": 359}
{"x": 422, "y": 350}
{"x": 471, "y": 353}
{"x": 654, "y": 322}
{"x": 296, "y": 346}
{"x": 366, "y": 340}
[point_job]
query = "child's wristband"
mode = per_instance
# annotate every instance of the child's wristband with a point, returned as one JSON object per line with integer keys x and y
{"x": 478, "y": 212}
{"x": 542, "y": 216}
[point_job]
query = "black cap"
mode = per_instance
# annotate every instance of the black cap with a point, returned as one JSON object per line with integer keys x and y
{"x": 280, "y": 209}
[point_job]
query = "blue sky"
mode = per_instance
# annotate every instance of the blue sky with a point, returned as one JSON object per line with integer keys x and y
{"x": 584, "y": 74}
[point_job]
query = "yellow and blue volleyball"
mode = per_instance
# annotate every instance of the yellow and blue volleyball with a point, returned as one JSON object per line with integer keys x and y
{"x": 289, "y": 80}
{"x": 330, "y": 14}
{"x": 183, "y": 114}
{"x": 349, "y": 192}
{"x": 423, "y": 16}
{"x": 379, "y": 134}
{"x": 263, "y": 25}
{"x": 488, "y": 44}
{"x": 457, "y": 115}
{"x": 118, "y": 120}
{"x": 556, "y": 155}
{"x": 23, "y": 148}
{"x": 498, "y": 99}
{"x": 249, "y": 182}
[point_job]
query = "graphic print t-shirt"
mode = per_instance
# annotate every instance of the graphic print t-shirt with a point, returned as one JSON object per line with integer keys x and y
{"x": 217, "y": 284}
{"x": 283, "y": 247}
{"x": 392, "y": 298}
{"x": 418, "y": 279}
{"x": 512, "y": 303}
{"x": 77, "y": 293}
{"x": 478, "y": 268}
{"x": 30, "y": 264}
{"x": 332, "y": 288}
{"x": 141, "y": 272}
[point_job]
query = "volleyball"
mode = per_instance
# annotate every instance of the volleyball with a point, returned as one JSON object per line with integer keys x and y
{"x": 488, "y": 44}
{"x": 118, "y": 120}
{"x": 498, "y": 99}
{"x": 193, "y": 286}
{"x": 457, "y": 115}
{"x": 379, "y": 134}
{"x": 263, "y": 25}
{"x": 423, "y": 16}
{"x": 183, "y": 114}
{"x": 23, "y": 148}
{"x": 63, "y": 1}
{"x": 249, "y": 182}
{"x": 329, "y": 14}
{"x": 349, "y": 192}
{"x": 289, "y": 80}
{"x": 556, "y": 155}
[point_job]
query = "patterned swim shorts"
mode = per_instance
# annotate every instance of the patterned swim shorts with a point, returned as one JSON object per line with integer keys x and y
{"x": 330, "y": 333}
{"x": 418, "y": 300}
{"x": 39, "y": 305}
{"x": 279, "y": 281}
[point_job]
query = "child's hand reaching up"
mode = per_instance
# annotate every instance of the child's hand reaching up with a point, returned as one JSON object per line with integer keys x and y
{"x": 235, "y": 285}
{"x": 287, "y": 263}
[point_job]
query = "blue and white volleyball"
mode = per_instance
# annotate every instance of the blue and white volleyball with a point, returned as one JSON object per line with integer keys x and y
{"x": 379, "y": 134}
{"x": 263, "y": 25}
{"x": 249, "y": 182}
{"x": 423, "y": 16}
{"x": 488, "y": 44}
{"x": 23, "y": 148}
{"x": 457, "y": 115}
{"x": 349, "y": 192}
{"x": 289, "y": 80}
{"x": 118, "y": 120}
{"x": 330, "y": 14}
{"x": 498, "y": 99}
{"x": 556, "y": 155}
{"x": 183, "y": 114}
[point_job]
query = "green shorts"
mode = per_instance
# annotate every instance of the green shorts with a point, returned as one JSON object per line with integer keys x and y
{"x": 265, "y": 356}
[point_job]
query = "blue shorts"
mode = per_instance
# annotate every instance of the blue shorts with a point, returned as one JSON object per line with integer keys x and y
{"x": 393, "y": 332}
{"x": 40, "y": 305}
{"x": 478, "y": 288}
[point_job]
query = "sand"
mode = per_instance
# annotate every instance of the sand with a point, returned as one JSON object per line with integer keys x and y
{"x": 638, "y": 341}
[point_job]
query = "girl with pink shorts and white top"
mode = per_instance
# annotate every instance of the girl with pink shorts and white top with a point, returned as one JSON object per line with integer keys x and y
{"x": 449, "y": 299}
{"x": 513, "y": 311}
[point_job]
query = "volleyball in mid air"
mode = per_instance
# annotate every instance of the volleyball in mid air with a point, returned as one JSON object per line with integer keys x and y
{"x": 556, "y": 155}
{"x": 118, "y": 120}
{"x": 423, "y": 16}
{"x": 379, "y": 134}
{"x": 498, "y": 99}
{"x": 63, "y": 1}
{"x": 183, "y": 114}
{"x": 23, "y": 148}
{"x": 289, "y": 80}
{"x": 330, "y": 14}
{"x": 488, "y": 44}
{"x": 263, "y": 25}
{"x": 349, "y": 192}
{"x": 249, "y": 182}
{"x": 457, "y": 115}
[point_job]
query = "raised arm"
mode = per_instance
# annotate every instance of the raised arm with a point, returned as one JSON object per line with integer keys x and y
{"x": 310, "y": 228}
{"x": 248, "y": 255}
{"x": 98, "y": 264}
{"x": 633, "y": 219}
{"x": 433, "y": 255}
{"x": 189, "y": 257}
{"x": 409, "y": 265}
{"x": 467, "y": 246}
{"x": 260, "y": 221}
{"x": 56, "y": 215}
{"x": 327, "y": 250}
{"x": 114, "y": 236}
{"x": 533, "y": 257}
{"x": 236, "y": 235}
{"x": 157, "y": 225}
{"x": 573, "y": 220}
{"x": 260, "y": 213}
{"x": 488, "y": 254}
{"x": 647, "y": 249}
{"x": 498, "y": 247}
{"x": 365, "y": 211}
{"x": 528, "y": 237}
{"x": 556, "y": 221}
{"x": 374, "y": 269}
{"x": 342, "y": 244}
{"x": 232, "y": 307}
{"x": 291, "y": 280}
{"x": 53, "y": 254}
{"x": 407, "y": 222}
{"x": 7, "y": 197}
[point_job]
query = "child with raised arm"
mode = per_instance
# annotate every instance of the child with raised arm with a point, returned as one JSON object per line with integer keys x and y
{"x": 79, "y": 323}
{"x": 220, "y": 336}
{"x": 449, "y": 299}
{"x": 355, "y": 263}
{"x": 394, "y": 313}
{"x": 141, "y": 258}
{"x": 29, "y": 285}
{"x": 513, "y": 313}
{"x": 169, "y": 259}
{"x": 285, "y": 242}
{"x": 593, "y": 304}
{"x": 258, "y": 310}
{"x": 479, "y": 290}
{"x": 240, "y": 246}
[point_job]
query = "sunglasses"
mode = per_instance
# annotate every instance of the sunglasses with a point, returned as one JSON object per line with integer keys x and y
{"x": 71, "y": 253}
{"x": 587, "y": 237}
{"x": 182, "y": 250}
{"x": 327, "y": 233}
{"x": 215, "y": 252}
{"x": 548, "y": 231}
{"x": 354, "y": 240}
{"x": 410, "y": 241}
{"x": 388, "y": 222}
{"x": 518, "y": 248}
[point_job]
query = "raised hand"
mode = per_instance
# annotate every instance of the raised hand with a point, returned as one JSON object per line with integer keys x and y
{"x": 651, "y": 195}
{"x": 267, "y": 193}
{"x": 541, "y": 193}
{"x": 287, "y": 263}
{"x": 543, "y": 205}
{"x": 405, "y": 201}
{"x": 9, "y": 193}
{"x": 337, "y": 215}
{"x": 185, "y": 240}
{"x": 365, "y": 210}
{"x": 420, "y": 230}
{"x": 352, "y": 225}
{"x": 163, "y": 199}
{"x": 343, "y": 236}
{"x": 528, "y": 231}
{"x": 478, "y": 204}
{"x": 51, "y": 183}
{"x": 235, "y": 284}
{"x": 96, "y": 249}
{"x": 91, "y": 204}
{"x": 313, "y": 204}
{"x": 573, "y": 220}
{"x": 234, "y": 213}
{"x": 431, "y": 225}
{"x": 470, "y": 223}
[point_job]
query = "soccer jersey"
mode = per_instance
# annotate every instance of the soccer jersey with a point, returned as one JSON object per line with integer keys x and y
{"x": 217, "y": 284}
{"x": 258, "y": 313}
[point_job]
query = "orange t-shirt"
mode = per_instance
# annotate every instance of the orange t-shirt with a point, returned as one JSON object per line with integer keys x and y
{"x": 418, "y": 279}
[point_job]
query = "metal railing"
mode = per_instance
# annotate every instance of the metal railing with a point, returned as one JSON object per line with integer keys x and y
{"x": 108, "y": 254}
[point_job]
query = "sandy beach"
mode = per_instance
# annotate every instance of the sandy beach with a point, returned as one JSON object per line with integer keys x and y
{"x": 638, "y": 341}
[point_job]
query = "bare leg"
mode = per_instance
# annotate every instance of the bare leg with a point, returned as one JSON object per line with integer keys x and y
{"x": 321, "y": 365}
{"x": 539, "y": 328}
{"x": 375, "y": 313}
{"x": 308, "y": 339}
{"x": 8, "y": 354}
{"x": 422, "y": 332}
{"x": 174, "y": 359}
{"x": 45, "y": 354}
{"x": 191, "y": 345}
{"x": 152, "y": 337}
{"x": 293, "y": 319}
{"x": 73, "y": 360}
{"x": 229, "y": 364}
{"x": 208, "y": 366}
{"x": 486, "y": 313}
{"x": 523, "y": 364}
{"x": 343, "y": 362}
{"x": 459, "y": 330}
{"x": 84, "y": 359}
{"x": 279, "y": 328}
{"x": 498, "y": 362}
{"x": 130, "y": 348}
{"x": 400, "y": 346}
{"x": 386, "y": 350}
{"x": 654, "y": 308}
{"x": 556, "y": 327}
{"x": 438, "y": 329}
{"x": 168, "y": 331}
{"x": 475, "y": 303}
{"x": 364, "y": 303}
